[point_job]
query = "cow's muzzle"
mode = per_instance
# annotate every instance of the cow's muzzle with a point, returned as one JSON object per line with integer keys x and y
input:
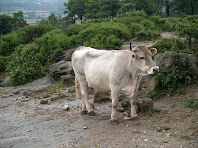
{"x": 153, "y": 70}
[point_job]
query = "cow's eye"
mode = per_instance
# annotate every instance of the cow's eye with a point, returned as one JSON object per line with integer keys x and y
{"x": 141, "y": 57}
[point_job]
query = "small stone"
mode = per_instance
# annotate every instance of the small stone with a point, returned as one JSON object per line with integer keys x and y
{"x": 145, "y": 140}
{"x": 45, "y": 95}
{"x": 66, "y": 108}
{"x": 44, "y": 101}
{"x": 127, "y": 125}
{"x": 85, "y": 127}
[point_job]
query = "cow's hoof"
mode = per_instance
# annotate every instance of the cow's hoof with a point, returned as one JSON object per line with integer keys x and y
{"x": 114, "y": 122}
{"x": 84, "y": 112}
{"x": 92, "y": 113}
{"x": 135, "y": 118}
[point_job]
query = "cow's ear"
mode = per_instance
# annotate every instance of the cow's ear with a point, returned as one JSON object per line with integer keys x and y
{"x": 153, "y": 51}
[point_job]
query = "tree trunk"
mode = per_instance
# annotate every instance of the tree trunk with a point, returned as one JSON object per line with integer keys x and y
{"x": 167, "y": 8}
{"x": 192, "y": 8}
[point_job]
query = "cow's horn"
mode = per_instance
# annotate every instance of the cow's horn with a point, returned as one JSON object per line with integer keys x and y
{"x": 149, "y": 46}
{"x": 130, "y": 46}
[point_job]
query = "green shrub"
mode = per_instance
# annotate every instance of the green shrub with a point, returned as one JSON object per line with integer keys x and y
{"x": 176, "y": 75}
{"x": 25, "y": 67}
{"x": 148, "y": 24}
{"x": 191, "y": 102}
{"x": 75, "y": 29}
{"x": 8, "y": 43}
{"x": 161, "y": 23}
{"x": 135, "y": 27}
{"x": 117, "y": 29}
{"x": 100, "y": 20}
{"x": 28, "y": 33}
{"x": 129, "y": 20}
{"x": 147, "y": 35}
{"x": 133, "y": 13}
{"x": 3, "y": 63}
{"x": 102, "y": 41}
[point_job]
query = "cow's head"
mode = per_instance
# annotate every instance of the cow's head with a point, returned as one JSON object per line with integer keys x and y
{"x": 142, "y": 57}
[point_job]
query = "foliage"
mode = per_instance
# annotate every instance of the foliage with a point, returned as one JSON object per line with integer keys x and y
{"x": 103, "y": 41}
{"x": 25, "y": 67}
{"x": 191, "y": 102}
{"x": 147, "y": 35}
{"x": 8, "y": 23}
{"x": 161, "y": 23}
{"x": 75, "y": 29}
{"x": 28, "y": 33}
{"x": 132, "y": 13}
{"x": 129, "y": 20}
{"x": 174, "y": 44}
{"x": 3, "y": 63}
{"x": 117, "y": 29}
{"x": 136, "y": 27}
{"x": 8, "y": 43}
{"x": 175, "y": 76}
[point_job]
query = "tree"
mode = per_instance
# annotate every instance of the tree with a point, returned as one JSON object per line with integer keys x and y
{"x": 75, "y": 7}
{"x": 92, "y": 7}
{"x": 167, "y": 7}
{"x": 19, "y": 21}
{"x": 6, "y": 24}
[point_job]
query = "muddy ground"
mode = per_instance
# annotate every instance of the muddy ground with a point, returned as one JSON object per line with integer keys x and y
{"x": 25, "y": 123}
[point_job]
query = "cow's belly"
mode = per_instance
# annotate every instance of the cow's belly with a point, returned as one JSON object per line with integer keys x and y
{"x": 98, "y": 82}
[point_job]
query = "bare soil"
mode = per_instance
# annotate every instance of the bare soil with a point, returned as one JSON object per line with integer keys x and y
{"x": 27, "y": 123}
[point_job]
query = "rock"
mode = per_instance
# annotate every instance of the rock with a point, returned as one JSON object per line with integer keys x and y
{"x": 66, "y": 108}
{"x": 144, "y": 104}
{"x": 101, "y": 96}
{"x": 65, "y": 55}
{"x": 44, "y": 101}
{"x": 67, "y": 79}
{"x": 147, "y": 85}
{"x": 71, "y": 89}
{"x": 57, "y": 96}
{"x": 59, "y": 69}
{"x": 85, "y": 127}
{"x": 45, "y": 95}
{"x": 6, "y": 81}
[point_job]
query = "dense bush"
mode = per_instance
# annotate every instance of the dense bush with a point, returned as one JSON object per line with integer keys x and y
{"x": 3, "y": 63}
{"x": 175, "y": 77}
{"x": 105, "y": 29}
{"x": 75, "y": 29}
{"x": 136, "y": 27}
{"x": 28, "y": 33}
{"x": 148, "y": 24}
{"x": 103, "y": 41}
{"x": 25, "y": 67}
{"x": 8, "y": 43}
{"x": 147, "y": 35}
{"x": 129, "y": 20}
{"x": 133, "y": 13}
{"x": 162, "y": 24}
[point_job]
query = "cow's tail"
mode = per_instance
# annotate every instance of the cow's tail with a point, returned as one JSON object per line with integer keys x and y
{"x": 77, "y": 89}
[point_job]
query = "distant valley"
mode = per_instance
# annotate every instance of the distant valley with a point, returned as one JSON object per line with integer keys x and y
{"x": 33, "y": 10}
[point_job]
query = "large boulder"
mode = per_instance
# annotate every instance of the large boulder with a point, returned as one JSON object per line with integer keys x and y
{"x": 59, "y": 69}
{"x": 65, "y": 55}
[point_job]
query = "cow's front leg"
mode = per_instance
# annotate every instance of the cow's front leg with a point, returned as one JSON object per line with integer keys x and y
{"x": 114, "y": 97}
{"x": 133, "y": 108}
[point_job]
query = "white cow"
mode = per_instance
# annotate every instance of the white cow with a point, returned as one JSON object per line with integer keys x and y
{"x": 118, "y": 72}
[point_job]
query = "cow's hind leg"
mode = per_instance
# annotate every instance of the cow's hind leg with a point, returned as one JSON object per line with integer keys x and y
{"x": 85, "y": 102}
{"x": 114, "y": 97}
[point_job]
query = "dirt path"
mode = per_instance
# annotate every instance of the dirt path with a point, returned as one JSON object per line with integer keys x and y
{"x": 30, "y": 124}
